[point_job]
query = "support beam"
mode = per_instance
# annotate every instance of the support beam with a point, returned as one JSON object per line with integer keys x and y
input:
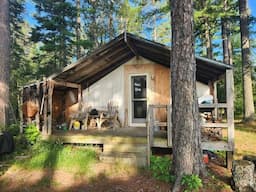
{"x": 65, "y": 84}
{"x": 169, "y": 125}
{"x": 20, "y": 104}
{"x": 45, "y": 106}
{"x": 49, "y": 112}
{"x": 229, "y": 159}
{"x": 37, "y": 118}
{"x": 230, "y": 112}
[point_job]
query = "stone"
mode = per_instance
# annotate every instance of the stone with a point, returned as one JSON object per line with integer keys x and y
{"x": 243, "y": 175}
{"x": 251, "y": 158}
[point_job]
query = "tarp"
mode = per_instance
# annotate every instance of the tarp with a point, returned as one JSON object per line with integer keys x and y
{"x": 6, "y": 143}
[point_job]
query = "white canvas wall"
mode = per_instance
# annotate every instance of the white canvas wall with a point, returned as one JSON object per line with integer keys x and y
{"x": 108, "y": 89}
{"x": 202, "y": 89}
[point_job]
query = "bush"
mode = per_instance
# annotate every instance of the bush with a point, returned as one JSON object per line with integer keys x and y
{"x": 14, "y": 129}
{"x": 191, "y": 183}
{"x": 32, "y": 134}
{"x": 160, "y": 168}
{"x": 21, "y": 142}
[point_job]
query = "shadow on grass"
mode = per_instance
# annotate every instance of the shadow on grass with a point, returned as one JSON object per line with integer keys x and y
{"x": 246, "y": 127}
{"x": 101, "y": 182}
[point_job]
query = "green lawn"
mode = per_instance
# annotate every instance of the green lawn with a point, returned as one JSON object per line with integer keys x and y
{"x": 245, "y": 140}
{"x": 64, "y": 168}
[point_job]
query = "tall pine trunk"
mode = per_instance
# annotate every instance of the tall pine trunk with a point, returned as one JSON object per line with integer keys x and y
{"x": 4, "y": 61}
{"x": 208, "y": 40}
{"x": 78, "y": 29}
{"x": 226, "y": 42}
{"x": 247, "y": 71}
{"x": 186, "y": 140}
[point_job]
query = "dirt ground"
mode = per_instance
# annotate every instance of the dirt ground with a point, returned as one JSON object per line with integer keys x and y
{"x": 103, "y": 178}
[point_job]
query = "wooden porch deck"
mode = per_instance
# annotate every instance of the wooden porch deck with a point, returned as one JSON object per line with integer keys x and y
{"x": 127, "y": 145}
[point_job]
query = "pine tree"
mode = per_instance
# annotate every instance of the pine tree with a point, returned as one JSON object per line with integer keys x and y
{"x": 4, "y": 62}
{"x": 247, "y": 71}
{"x": 55, "y": 31}
{"x": 186, "y": 138}
{"x": 18, "y": 61}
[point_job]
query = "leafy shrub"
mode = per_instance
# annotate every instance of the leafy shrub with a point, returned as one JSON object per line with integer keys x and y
{"x": 191, "y": 183}
{"x": 14, "y": 129}
{"x": 21, "y": 142}
{"x": 31, "y": 133}
{"x": 160, "y": 168}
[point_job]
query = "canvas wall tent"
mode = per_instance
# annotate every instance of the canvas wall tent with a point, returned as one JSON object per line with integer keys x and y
{"x": 134, "y": 74}
{"x": 114, "y": 62}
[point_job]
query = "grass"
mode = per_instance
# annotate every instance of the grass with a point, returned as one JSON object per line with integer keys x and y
{"x": 45, "y": 155}
{"x": 245, "y": 140}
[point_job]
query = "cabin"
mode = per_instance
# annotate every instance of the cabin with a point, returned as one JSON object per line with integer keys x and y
{"x": 118, "y": 98}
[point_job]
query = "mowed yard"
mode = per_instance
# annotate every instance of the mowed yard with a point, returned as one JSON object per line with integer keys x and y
{"x": 52, "y": 167}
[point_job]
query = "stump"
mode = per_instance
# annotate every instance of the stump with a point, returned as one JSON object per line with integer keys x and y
{"x": 243, "y": 175}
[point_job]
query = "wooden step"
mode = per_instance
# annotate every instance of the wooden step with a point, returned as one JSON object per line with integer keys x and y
{"x": 126, "y": 147}
{"x": 125, "y": 158}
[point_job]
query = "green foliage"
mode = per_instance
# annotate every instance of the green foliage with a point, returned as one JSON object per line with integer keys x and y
{"x": 32, "y": 134}
{"x": 21, "y": 143}
{"x": 191, "y": 183}
{"x": 14, "y": 129}
{"x": 55, "y": 32}
{"x": 57, "y": 156}
{"x": 160, "y": 168}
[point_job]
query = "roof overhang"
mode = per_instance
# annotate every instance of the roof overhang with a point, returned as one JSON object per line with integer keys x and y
{"x": 102, "y": 61}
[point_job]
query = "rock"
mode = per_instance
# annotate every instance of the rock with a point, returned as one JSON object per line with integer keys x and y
{"x": 243, "y": 175}
{"x": 254, "y": 185}
{"x": 251, "y": 158}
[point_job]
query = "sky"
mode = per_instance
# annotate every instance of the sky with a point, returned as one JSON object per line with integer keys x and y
{"x": 30, "y": 9}
{"x": 252, "y": 6}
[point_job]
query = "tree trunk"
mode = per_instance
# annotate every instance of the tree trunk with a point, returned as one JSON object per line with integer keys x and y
{"x": 78, "y": 29}
{"x": 247, "y": 71}
{"x": 186, "y": 140}
{"x": 208, "y": 39}
{"x": 4, "y": 61}
{"x": 226, "y": 42}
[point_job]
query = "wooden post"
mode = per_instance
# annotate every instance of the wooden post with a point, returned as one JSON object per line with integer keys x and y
{"x": 149, "y": 133}
{"x": 215, "y": 100}
{"x": 230, "y": 114}
{"x": 20, "y": 103}
{"x": 37, "y": 104}
{"x": 44, "y": 129}
{"x": 79, "y": 96}
{"x": 49, "y": 112}
{"x": 169, "y": 125}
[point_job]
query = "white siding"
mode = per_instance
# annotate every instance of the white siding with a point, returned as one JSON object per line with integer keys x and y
{"x": 202, "y": 89}
{"x": 108, "y": 89}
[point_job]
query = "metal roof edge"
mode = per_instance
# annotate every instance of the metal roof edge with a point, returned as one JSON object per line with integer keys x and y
{"x": 218, "y": 63}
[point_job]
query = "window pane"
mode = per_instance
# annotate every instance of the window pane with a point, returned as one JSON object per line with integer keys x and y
{"x": 140, "y": 109}
{"x": 139, "y": 87}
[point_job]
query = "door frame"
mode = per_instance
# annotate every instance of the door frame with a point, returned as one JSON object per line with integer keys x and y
{"x": 130, "y": 98}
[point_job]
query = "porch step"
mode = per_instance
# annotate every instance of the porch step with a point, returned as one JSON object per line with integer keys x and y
{"x": 125, "y": 148}
{"x": 132, "y": 159}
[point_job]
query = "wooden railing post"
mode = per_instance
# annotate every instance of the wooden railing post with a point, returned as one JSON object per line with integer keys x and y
{"x": 230, "y": 114}
{"x": 148, "y": 136}
{"x": 169, "y": 125}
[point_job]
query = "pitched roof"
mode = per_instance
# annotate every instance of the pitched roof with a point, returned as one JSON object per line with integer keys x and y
{"x": 102, "y": 61}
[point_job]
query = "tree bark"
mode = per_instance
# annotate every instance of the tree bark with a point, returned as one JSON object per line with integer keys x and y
{"x": 78, "y": 29}
{"x": 208, "y": 39}
{"x": 186, "y": 140}
{"x": 226, "y": 42}
{"x": 4, "y": 61}
{"x": 246, "y": 64}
